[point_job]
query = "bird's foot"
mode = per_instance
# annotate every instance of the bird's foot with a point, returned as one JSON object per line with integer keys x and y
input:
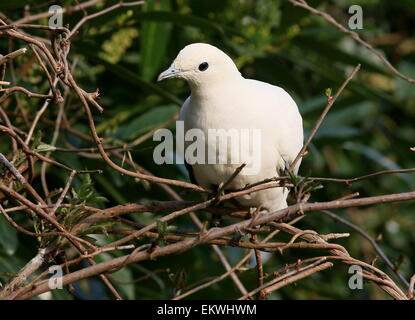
{"x": 254, "y": 213}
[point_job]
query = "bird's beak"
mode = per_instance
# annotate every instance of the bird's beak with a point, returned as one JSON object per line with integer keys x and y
{"x": 171, "y": 72}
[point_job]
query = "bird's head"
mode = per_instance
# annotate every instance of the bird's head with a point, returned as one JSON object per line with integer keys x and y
{"x": 201, "y": 64}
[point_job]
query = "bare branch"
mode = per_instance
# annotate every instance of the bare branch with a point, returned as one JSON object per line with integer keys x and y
{"x": 353, "y": 35}
{"x": 330, "y": 102}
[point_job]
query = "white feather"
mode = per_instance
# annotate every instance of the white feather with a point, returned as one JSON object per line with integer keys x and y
{"x": 222, "y": 99}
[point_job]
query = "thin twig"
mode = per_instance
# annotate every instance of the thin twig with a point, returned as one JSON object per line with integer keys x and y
{"x": 375, "y": 246}
{"x": 330, "y": 102}
{"x": 353, "y": 35}
{"x": 12, "y": 55}
{"x": 290, "y": 277}
{"x": 100, "y": 13}
{"x": 411, "y": 287}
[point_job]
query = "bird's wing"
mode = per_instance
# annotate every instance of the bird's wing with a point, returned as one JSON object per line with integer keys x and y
{"x": 184, "y": 109}
{"x": 286, "y": 121}
{"x": 189, "y": 169}
{"x": 182, "y": 117}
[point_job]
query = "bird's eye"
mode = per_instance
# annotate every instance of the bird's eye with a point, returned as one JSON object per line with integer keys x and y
{"x": 203, "y": 66}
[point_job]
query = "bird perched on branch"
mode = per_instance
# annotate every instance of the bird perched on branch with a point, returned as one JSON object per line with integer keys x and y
{"x": 232, "y": 107}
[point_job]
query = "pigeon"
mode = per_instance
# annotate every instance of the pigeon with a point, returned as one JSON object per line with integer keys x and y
{"x": 222, "y": 99}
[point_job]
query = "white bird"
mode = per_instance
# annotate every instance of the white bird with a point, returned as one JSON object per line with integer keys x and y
{"x": 222, "y": 99}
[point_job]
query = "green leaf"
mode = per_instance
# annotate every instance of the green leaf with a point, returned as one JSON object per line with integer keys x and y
{"x": 336, "y": 76}
{"x": 312, "y": 104}
{"x": 61, "y": 295}
{"x": 328, "y": 92}
{"x": 8, "y": 236}
{"x": 45, "y": 148}
{"x": 310, "y": 42}
{"x": 377, "y": 157}
{"x": 125, "y": 284}
{"x": 188, "y": 20}
{"x": 126, "y": 288}
{"x": 115, "y": 48}
{"x": 336, "y": 132}
{"x": 146, "y": 122}
{"x": 10, "y": 264}
{"x": 140, "y": 83}
{"x": 154, "y": 41}
{"x": 161, "y": 228}
{"x": 111, "y": 189}
{"x": 15, "y": 4}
